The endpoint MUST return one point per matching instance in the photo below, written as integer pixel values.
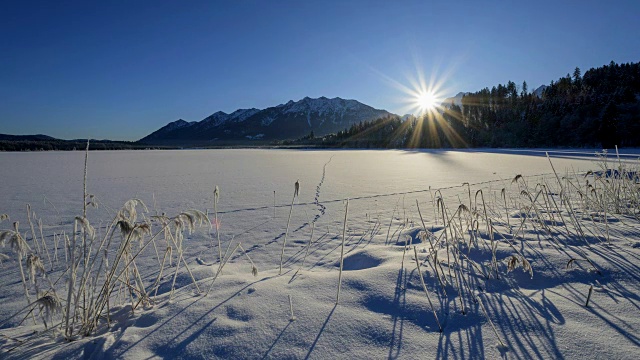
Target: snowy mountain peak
(169, 128)
(220, 117)
(242, 114)
(176, 124)
(456, 100)
(539, 91)
(293, 119)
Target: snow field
(383, 310)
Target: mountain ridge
(290, 120)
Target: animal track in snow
(321, 207)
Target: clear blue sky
(122, 69)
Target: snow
(220, 117)
(324, 108)
(267, 120)
(383, 311)
(176, 125)
(216, 119)
(539, 91)
(242, 114)
(456, 100)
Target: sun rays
(425, 99)
(433, 123)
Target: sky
(122, 69)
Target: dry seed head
(125, 227)
(129, 211)
(526, 266)
(162, 219)
(4, 235)
(86, 227)
(512, 263)
(216, 194)
(15, 240)
(135, 232)
(463, 209)
(92, 201)
(140, 231)
(515, 179)
(190, 219)
(297, 188)
(4, 217)
(35, 265)
(50, 303)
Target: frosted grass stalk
(344, 230)
(254, 268)
(391, 221)
(72, 280)
(286, 233)
(589, 295)
(292, 318)
(220, 268)
(216, 196)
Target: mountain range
(292, 120)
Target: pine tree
(576, 75)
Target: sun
(426, 101)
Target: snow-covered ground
(383, 310)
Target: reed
(296, 189)
(344, 229)
(216, 196)
(292, 318)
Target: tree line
(67, 145)
(598, 109)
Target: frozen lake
(382, 302)
(376, 181)
(247, 178)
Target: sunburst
(426, 101)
